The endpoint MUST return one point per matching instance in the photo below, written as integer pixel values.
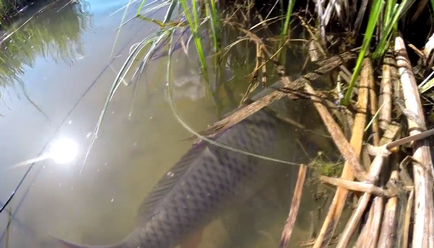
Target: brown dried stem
(295, 204)
(374, 230)
(364, 236)
(373, 107)
(423, 231)
(374, 170)
(388, 228)
(254, 75)
(356, 142)
(357, 214)
(407, 218)
(355, 186)
(389, 74)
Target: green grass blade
(157, 22)
(388, 14)
(169, 12)
(140, 8)
(214, 25)
(432, 5)
(285, 30)
(194, 25)
(373, 18)
(119, 30)
(385, 37)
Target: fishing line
(172, 106)
(12, 195)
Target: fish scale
(207, 180)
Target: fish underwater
(209, 179)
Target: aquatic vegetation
(64, 44)
(9, 9)
(354, 43)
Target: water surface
(56, 72)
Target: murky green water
(56, 72)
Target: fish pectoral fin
(193, 241)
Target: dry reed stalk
(365, 158)
(409, 139)
(407, 218)
(355, 186)
(295, 204)
(374, 170)
(356, 143)
(357, 214)
(423, 231)
(254, 75)
(374, 230)
(385, 115)
(363, 237)
(347, 151)
(388, 228)
(373, 107)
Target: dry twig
(295, 204)
(355, 186)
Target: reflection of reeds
(59, 40)
(373, 25)
(8, 8)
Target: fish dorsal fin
(166, 184)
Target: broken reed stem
(363, 238)
(351, 157)
(388, 228)
(385, 115)
(407, 218)
(373, 107)
(374, 170)
(295, 204)
(356, 142)
(423, 231)
(374, 230)
(355, 186)
(354, 220)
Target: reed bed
(381, 87)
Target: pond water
(56, 72)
